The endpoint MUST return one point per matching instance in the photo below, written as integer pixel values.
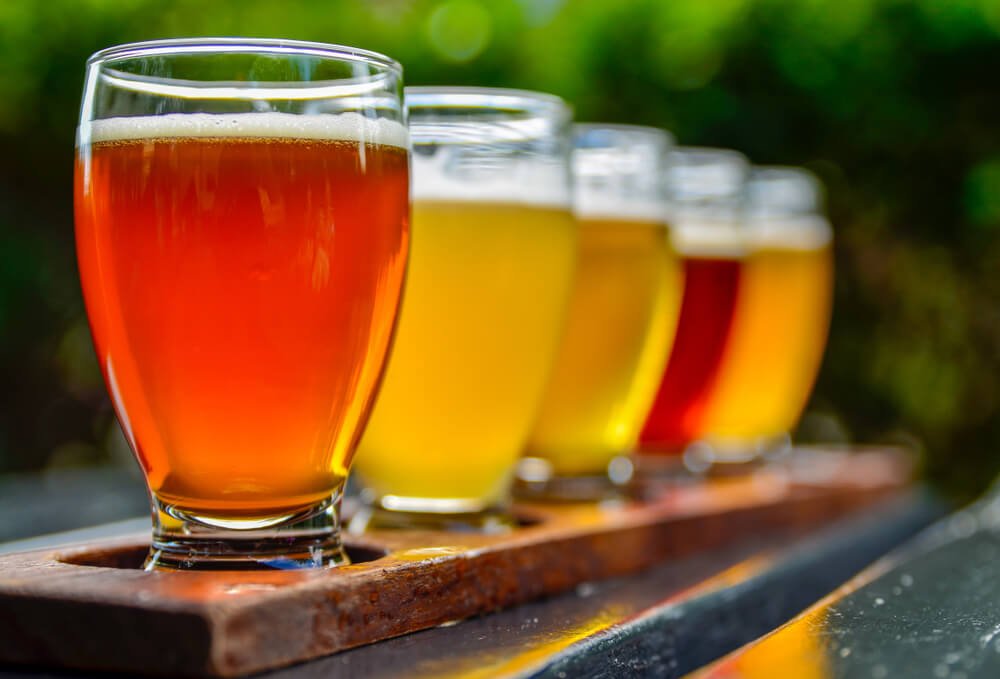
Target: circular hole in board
(133, 556)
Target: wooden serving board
(91, 607)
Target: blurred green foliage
(892, 102)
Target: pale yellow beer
(483, 310)
(622, 318)
(778, 336)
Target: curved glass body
(705, 188)
(242, 237)
(624, 305)
(494, 249)
(782, 317)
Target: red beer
(711, 287)
(242, 291)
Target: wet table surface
(929, 609)
(668, 621)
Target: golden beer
(483, 312)
(622, 313)
(778, 336)
(622, 317)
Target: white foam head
(485, 174)
(595, 206)
(350, 126)
(489, 145)
(720, 237)
(782, 210)
(789, 232)
(708, 236)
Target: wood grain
(90, 607)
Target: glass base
(536, 480)
(733, 457)
(465, 516)
(659, 473)
(711, 458)
(309, 538)
(659, 465)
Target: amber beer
(242, 274)
(779, 334)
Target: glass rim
(541, 104)
(629, 129)
(807, 183)
(713, 153)
(768, 171)
(236, 45)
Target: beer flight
(293, 267)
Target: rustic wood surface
(90, 607)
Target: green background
(895, 104)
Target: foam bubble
(330, 127)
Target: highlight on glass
(242, 232)
(781, 321)
(622, 316)
(705, 190)
(494, 249)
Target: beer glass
(782, 317)
(622, 316)
(242, 229)
(492, 261)
(705, 190)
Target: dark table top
(930, 609)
